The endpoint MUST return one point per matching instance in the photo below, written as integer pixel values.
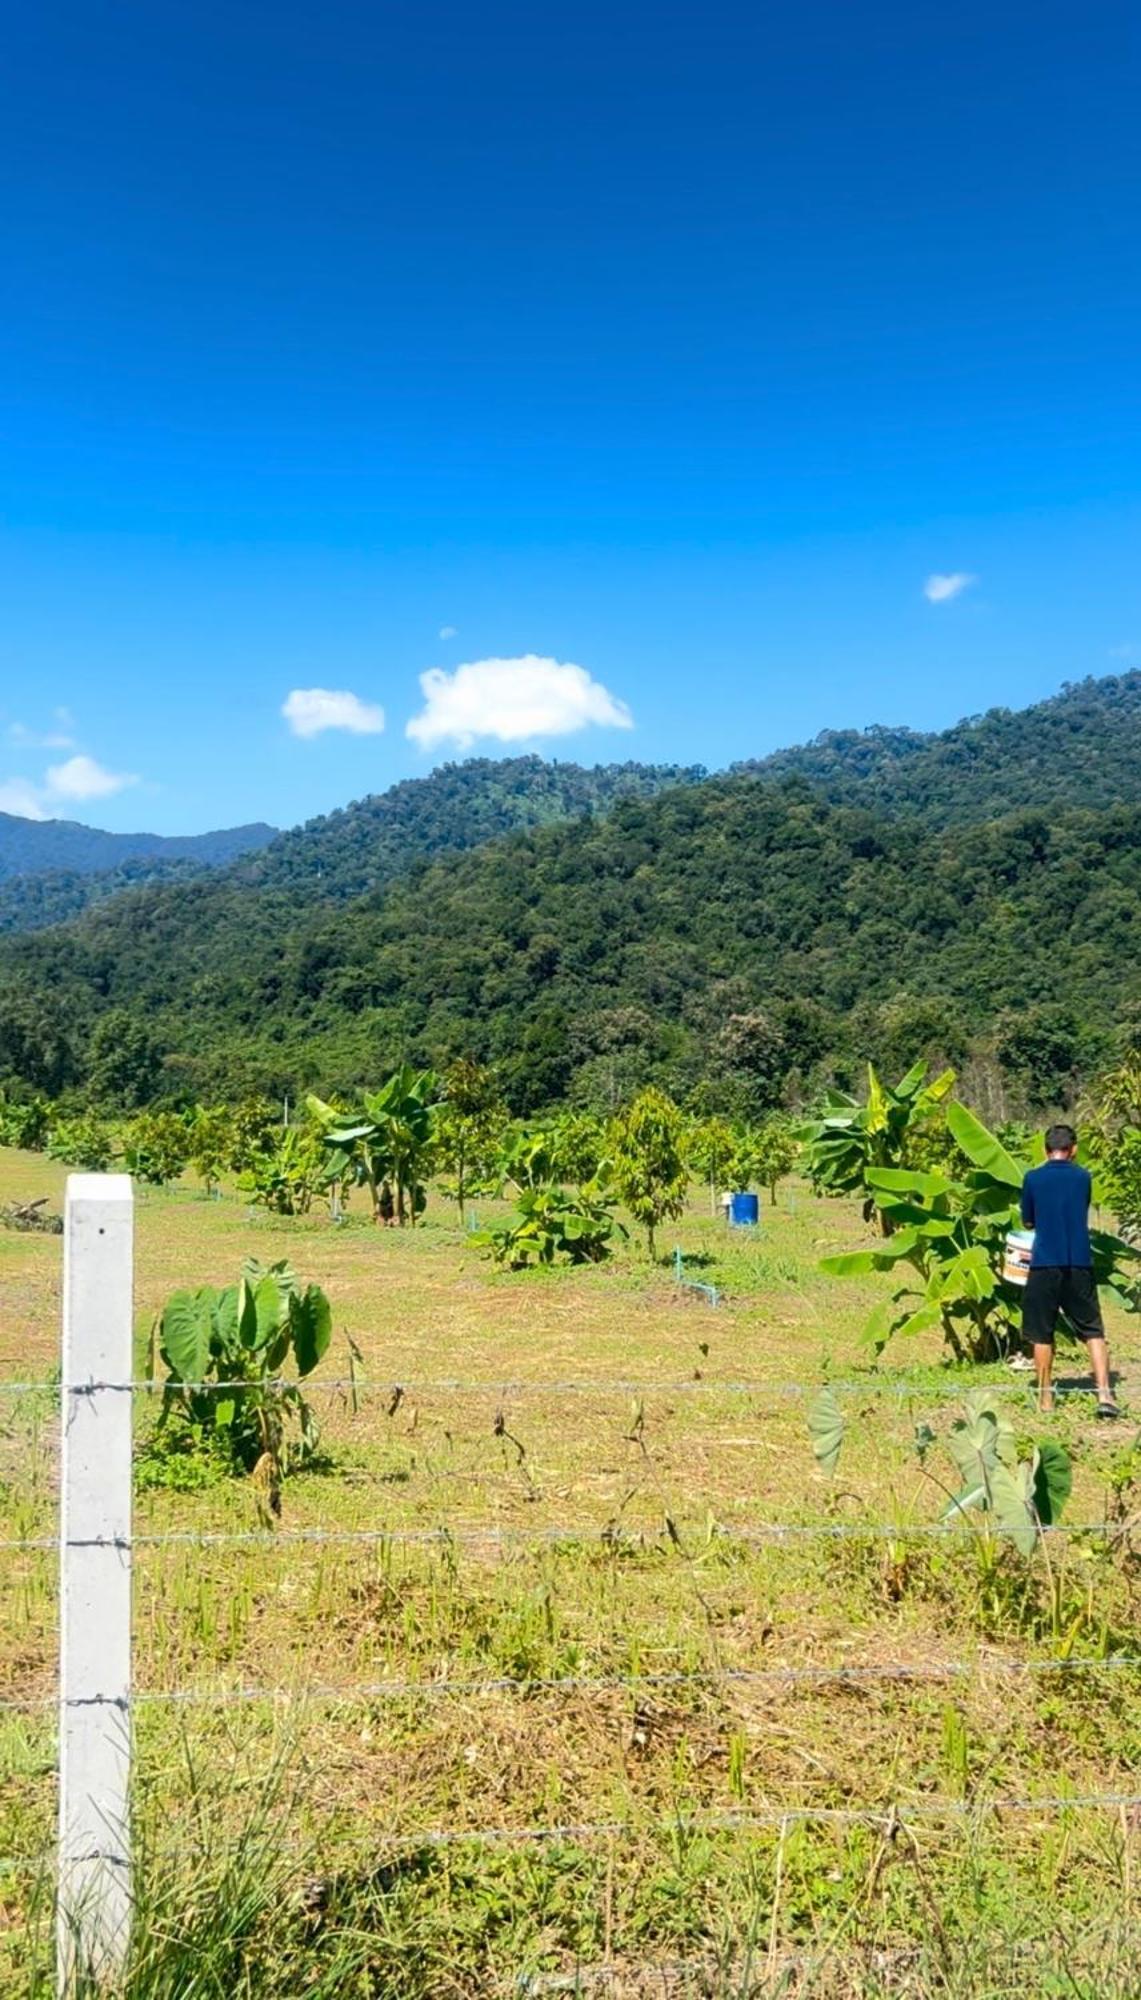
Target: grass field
(661, 1813)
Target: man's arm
(1027, 1204)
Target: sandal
(1108, 1412)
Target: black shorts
(1060, 1288)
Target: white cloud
(18, 796)
(29, 739)
(941, 589)
(512, 700)
(308, 711)
(84, 778)
(448, 632)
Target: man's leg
(1039, 1318)
(1082, 1308)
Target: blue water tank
(744, 1210)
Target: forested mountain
(362, 846)
(459, 806)
(1081, 748)
(729, 926)
(742, 931)
(33, 846)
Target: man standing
(1055, 1205)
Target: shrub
(156, 1146)
(84, 1142)
(24, 1122)
(286, 1178)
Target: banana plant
(848, 1140)
(387, 1143)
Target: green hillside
(1082, 747)
(745, 933)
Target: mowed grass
(565, 1615)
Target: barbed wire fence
(95, 1541)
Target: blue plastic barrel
(744, 1210)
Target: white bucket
(1016, 1260)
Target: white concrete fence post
(93, 1924)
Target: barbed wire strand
(688, 1385)
(887, 1817)
(679, 1677)
(607, 1535)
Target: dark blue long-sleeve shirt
(1055, 1205)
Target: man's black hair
(1060, 1138)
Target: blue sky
(677, 345)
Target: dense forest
(738, 938)
(1081, 748)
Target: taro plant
(944, 1241)
(549, 1223)
(992, 1485)
(225, 1350)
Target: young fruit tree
(469, 1123)
(647, 1151)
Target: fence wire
(606, 1535)
(693, 1385)
(444, 1688)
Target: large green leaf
(981, 1147)
(909, 1085)
(269, 1309)
(967, 1276)
(347, 1134)
(1011, 1510)
(909, 1180)
(919, 1321)
(983, 1403)
(226, 1320)
(875, 1118)
(878, 1328)
(826, 1425)
(247, 1315)
(1053, 1480)
(973, 1444)
(185, 1330)
(939, 1087)
(857, 1263)
(311, 1321)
